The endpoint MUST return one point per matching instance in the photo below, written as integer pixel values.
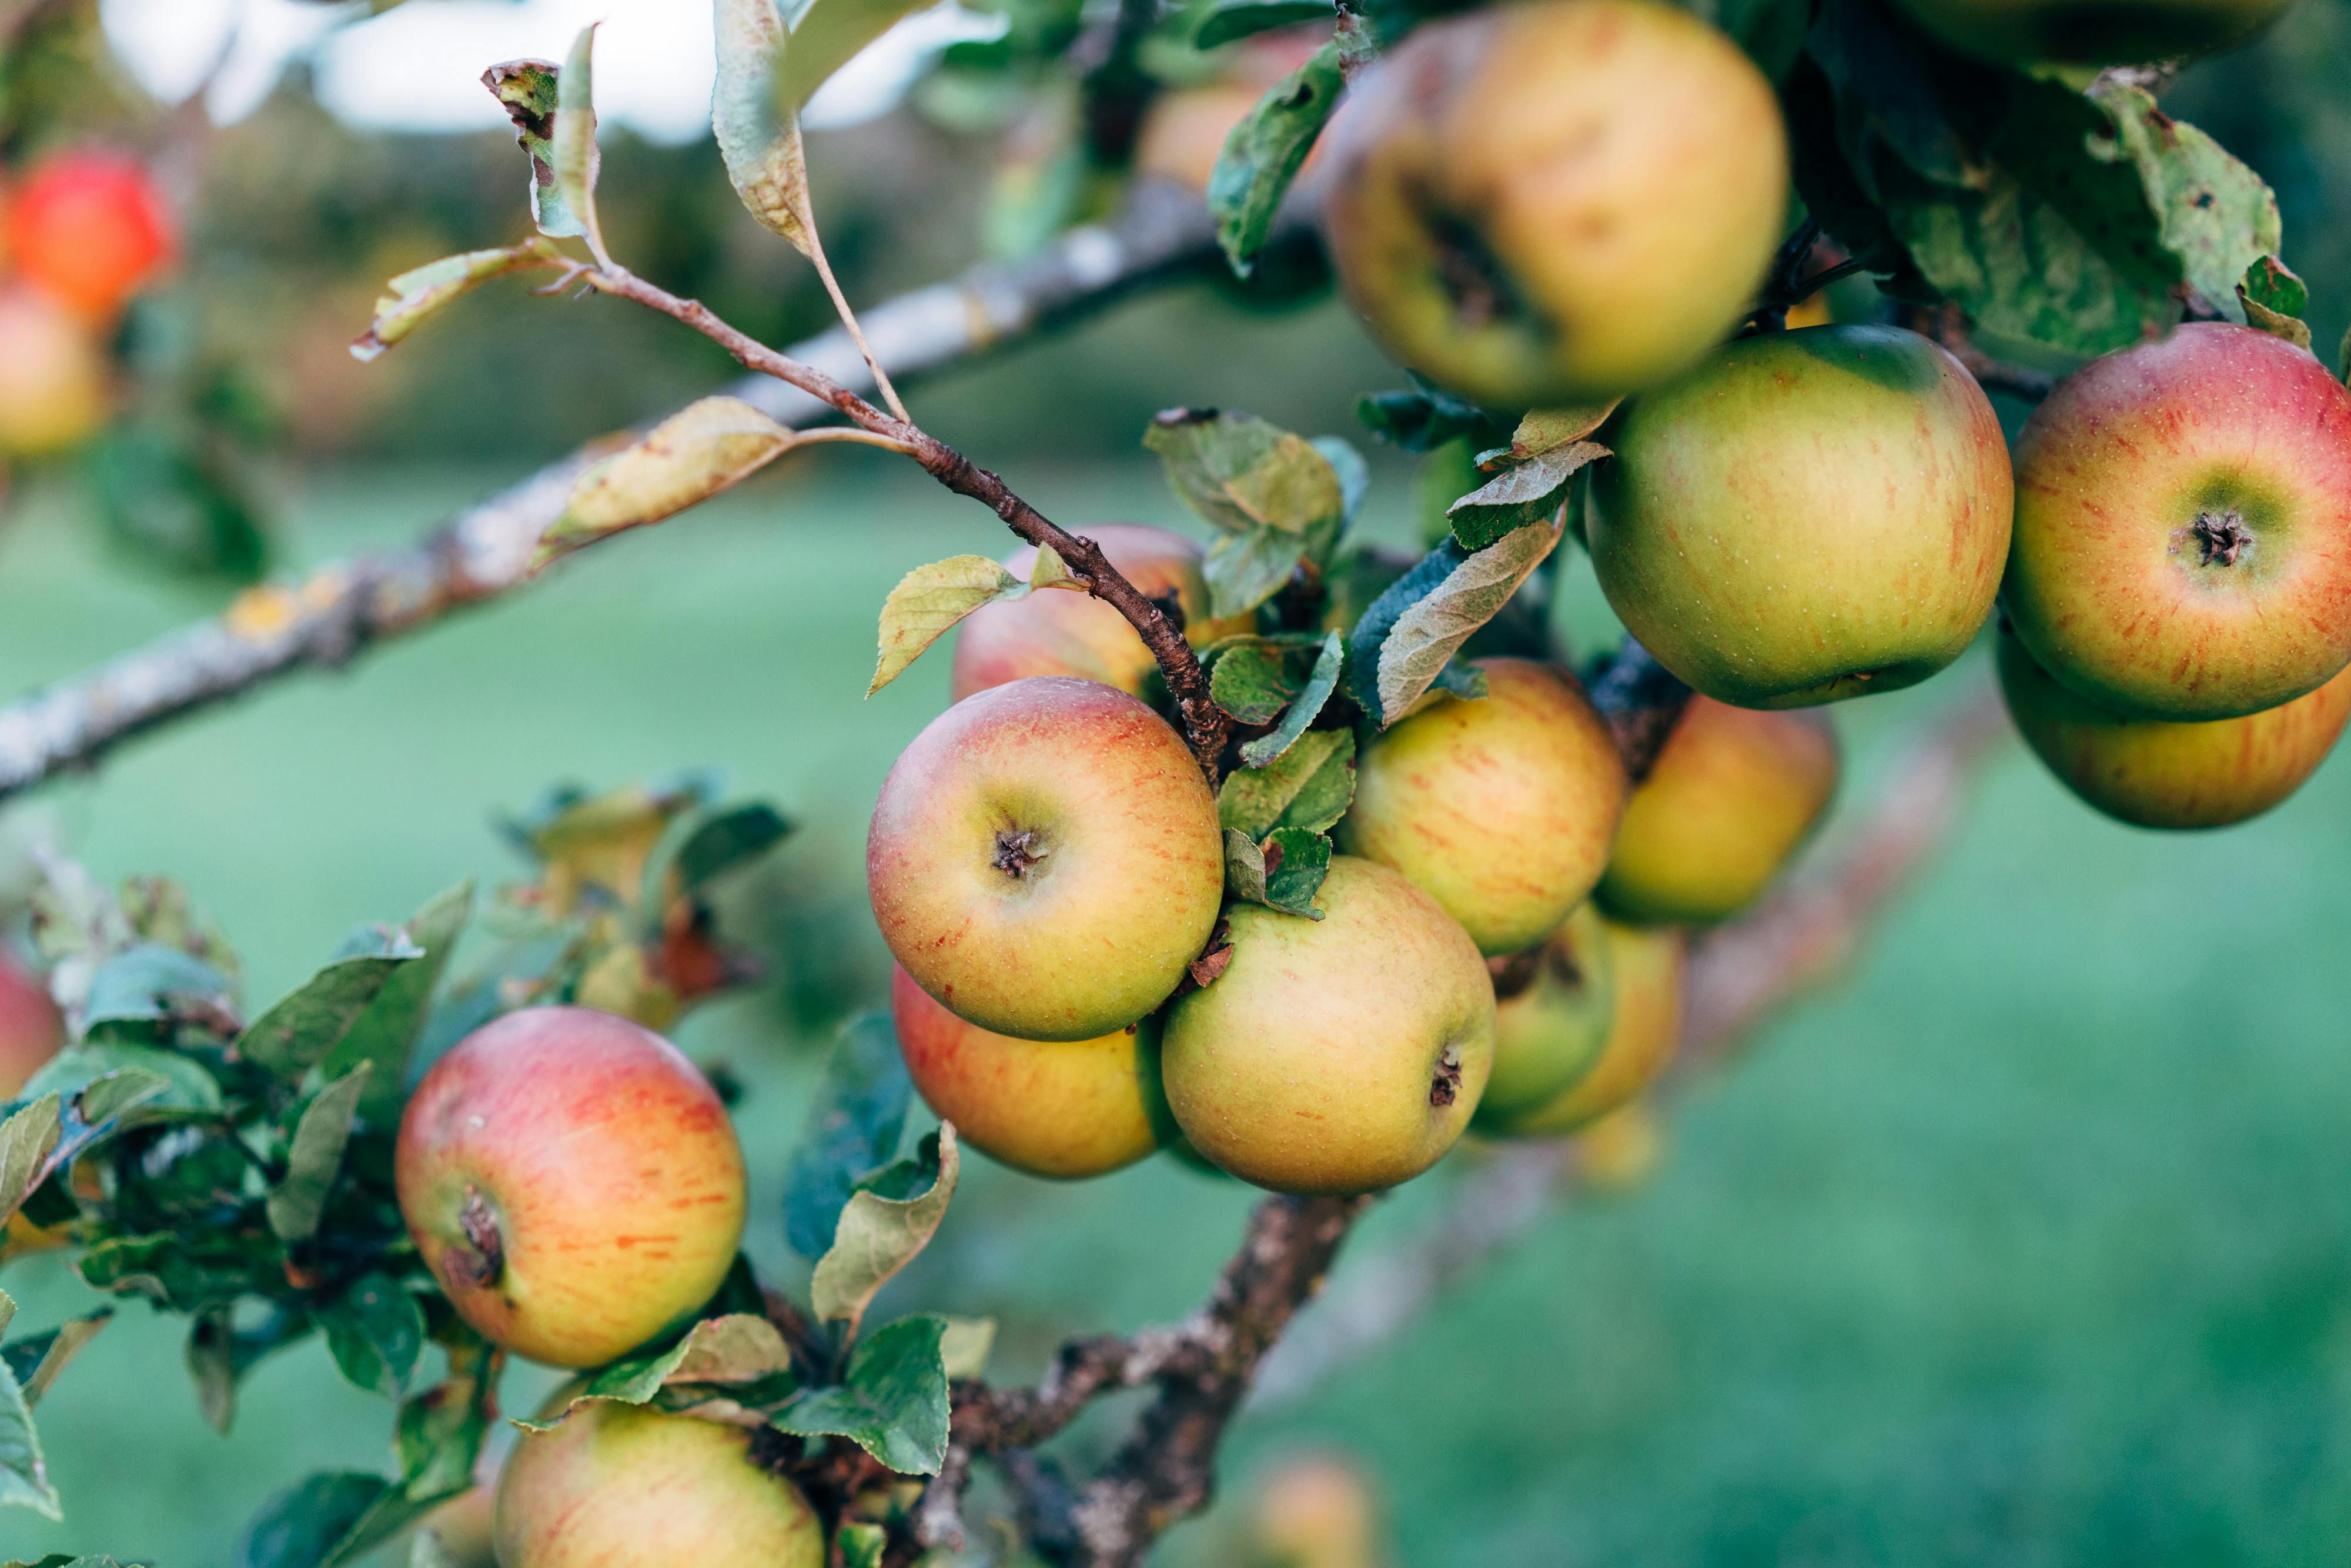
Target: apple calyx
(477, 1264)
(1514, 972)
(1476, 284)
(1017, 852)
(2221, 537)
(1446, 1087)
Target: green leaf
(1426, 637)
(188, 1087)
(386, 1034)
(2343, 359)
(27, 1139)
(1309, 786)
(758, 134)
(302, 1526)
(415, 297)
(1233, 19)
(302, 1028)
(141, 984)
(316, 1158)
(375, 1332)
(1380, 618)
(2215, 215)
(527, 89)
(1262, 155)
(828, 35)
(219, 1354)
(184, 1272)
(1355, 474)
(1243, 474)
(1529, 492)
(855, 1121)
(877, 1236)
(964, 1348)
(891, 1401)
(1244, 571)
(861, 1545)
(1307, 705)
(704, 448)
(1424, 419)
(1252, 682)
(36, 1360)
(23, 1472)
(1284, 872)
(928, 601)
(576, 156)
(2273, 299)
(729, 839)
(736, 1350)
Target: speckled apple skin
(1643, 1029)
(610, 1167)
(2107, 587)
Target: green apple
(1556, 202)
(2183, 526)
(620, 1485)
(1052, 1108)
(2160, 774)
(2092, 32)
(1806, 515)
(1316, 1510)
(30, 1030)
(1550, 1022)
(1337, 1055)
(571, 1181)
(1731, 797)
(1045, 860)
(1060, 632)
(1644, 1026)
(1501, 808)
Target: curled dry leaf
(689, 457)
(415, 297)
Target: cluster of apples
(1047, 864)
(81, 232)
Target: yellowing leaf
(927, 602)
(708, 447)
(1426, 635)
(877, 1236)
(1053, 572)
(1545, 428)
(411, 299)
(757, 136)
(576, 159)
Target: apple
(2092, 32)
(1731, 797)
(1621, 1150)
(1061, 632)
(1337, 1055)
(1556, 202)
(1316, 1510)
(1501, 806)
(1550, 1022)
(30, 1030)
(88, 229)
(1805, 517)
(461, 1527)
(1644, 1026)
(621, 1486)
(2160, 774)
(2183, 526)
(1052, 1108)
(572, 1182)
(53, 376)
(1045, 860)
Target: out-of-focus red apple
(1052, 1108)
(53, 376)
(88, 229)
(1046, 859)
(572, 1182)
(1060, 632)
(2183, 526)
(30, 1030)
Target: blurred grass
(2025, 1246)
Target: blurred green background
(2027, 1243)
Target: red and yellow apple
(1045, 860)
(30, 1030)
(88, 229)
(1503, 808)
(2183, 526)
(1556, 202)
(1550, 1022)
(2092, 32)
(1645, 1025)
(1805, 517)
(54, 381)
(572, 1182)
(1316, 1510)
(1729, 797)
(1337, 1055)
(621, 1486)
(2157, 773)
(1061, 632)
(1051, 1108)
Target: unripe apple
(2160, 774)
(2092, 32)
(572, 1182)
(462, 1528)
(1316, 1511)
(1060, 632)
(89, 229)
(1046, 859)
(1807, 516)
(1622, 1149)
(1052, 1108)
(30, 1030)
(2183, 526)
(1501, 808)
(1643, 1028)
(621, 1486)
(53, 376)
(1731, 797)
(1550, 1024)
(1556, 202)
(1337, 1055)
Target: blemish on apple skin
(1446, 1086)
